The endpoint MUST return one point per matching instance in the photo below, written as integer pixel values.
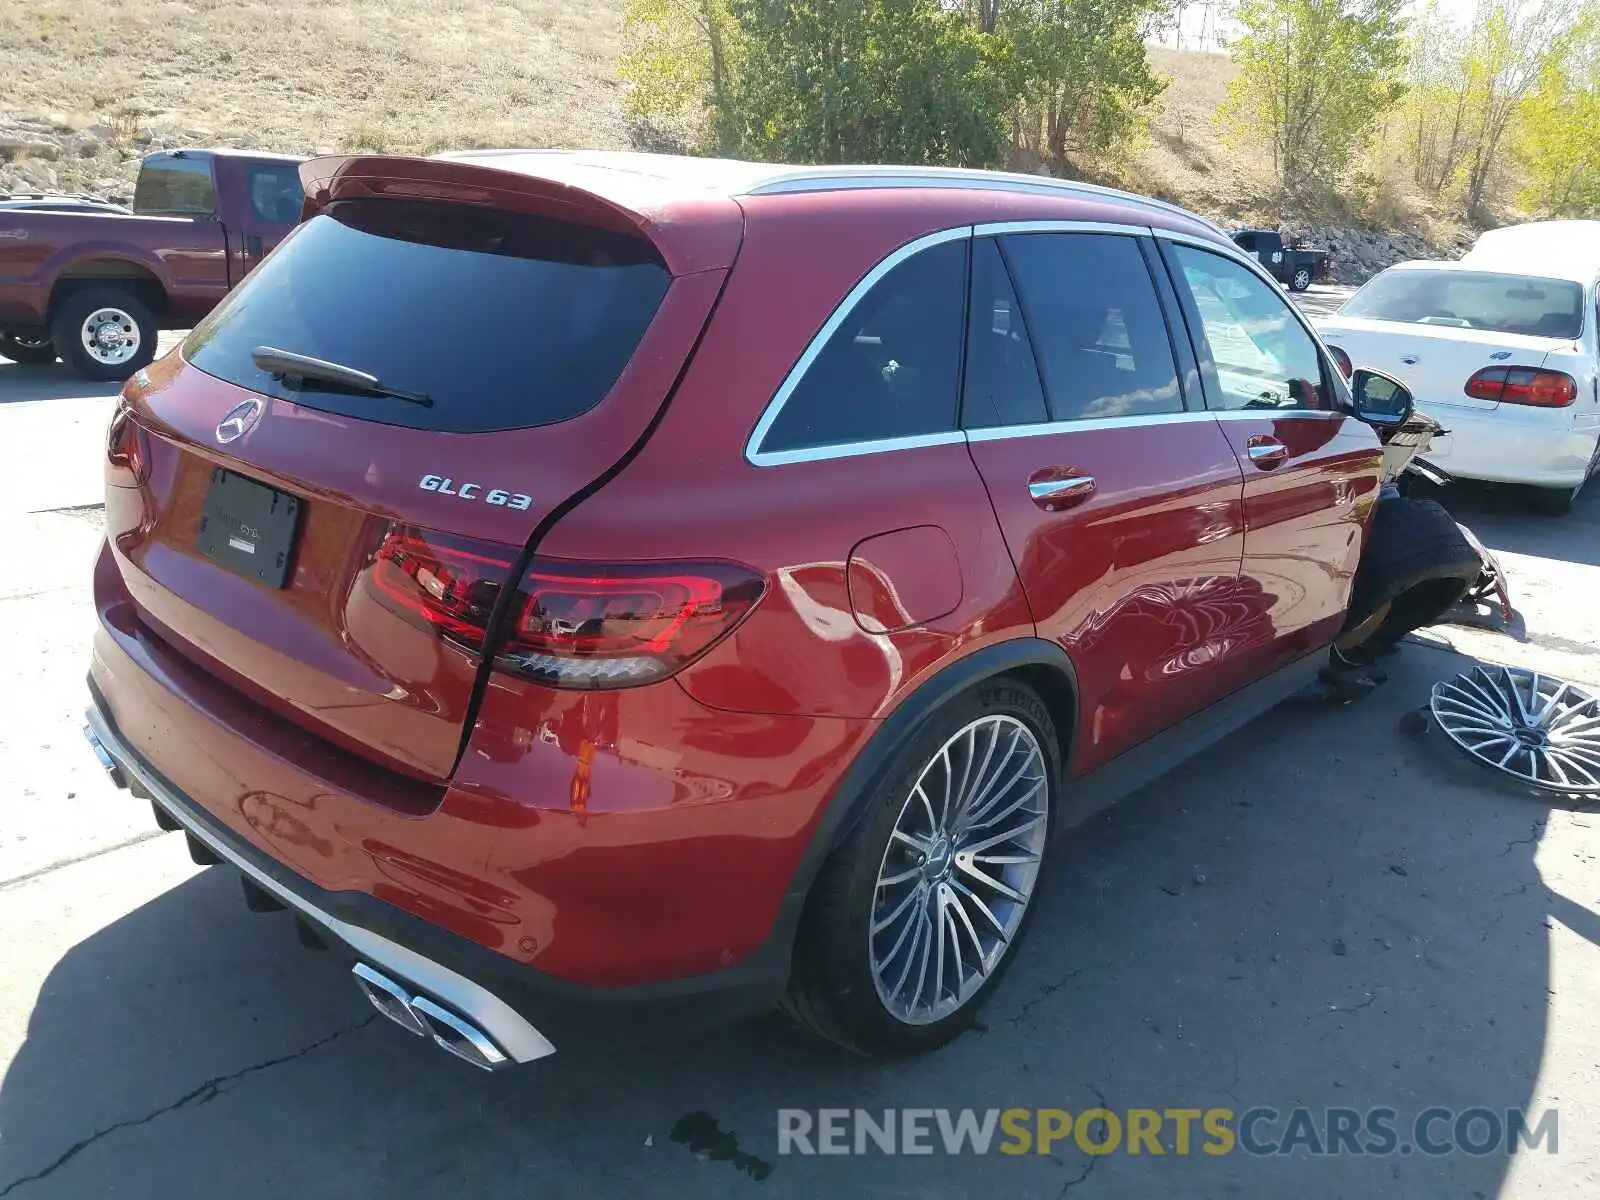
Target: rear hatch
(1435, 361)
(337, 548)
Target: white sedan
(1505, 358)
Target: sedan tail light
(571, 624)
(1524, 385)
(1342, 361)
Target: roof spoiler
(685, 246)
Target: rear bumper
(526, 1013)
(1500, 445)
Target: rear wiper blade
(290, 365)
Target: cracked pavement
(1331, 908)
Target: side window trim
(753, 453)
(964, 419)
(1179, 335)
(1210, 382)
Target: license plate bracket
(248, 527)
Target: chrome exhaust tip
(389, 998)
(461, 1038)
(112, 768)
(425, 1018)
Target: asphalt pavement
(1331, 909)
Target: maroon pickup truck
(95, 287)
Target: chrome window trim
(1003, 228)
(757, 457)
(779, 458)
(861, 178)
(1270, 414)
(997, 433)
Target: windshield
(1492, 302)
(504, 321)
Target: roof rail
(822, 179)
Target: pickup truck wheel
(913, 920)
(30, 348)
(1300, 280)
(104, 333)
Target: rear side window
(169, 186)
(891, 367)
(1473, 300)
(503, 320)
(1096, 325)
(275, 193)
(1002, 382)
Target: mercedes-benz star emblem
(240, 420)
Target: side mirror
(1380, 400)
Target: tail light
(570, 624)
(1342, 361)
(1524, 385)
(126, 452)
(583, 626)
(444, 584)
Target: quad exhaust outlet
(419, 1015)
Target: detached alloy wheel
(105, 333)
(32, 348)
(914, 919)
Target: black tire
(1300, 279)
(28, 349)
(1552, 502)
(67, 332)
(1415, 561)
(831, 987)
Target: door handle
(1266, 452)
(1054, 490)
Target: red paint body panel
(670, 859)
(1140, 582)
(1304, 524)
(904, 578)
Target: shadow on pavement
(19, 383)
(1322, 911)
(1503, 515)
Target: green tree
(1081, 71)
(1555, 135)
(681, 57)
(1313, 77)
(867, 81)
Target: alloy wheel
(959, 870)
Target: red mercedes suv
(586, 587)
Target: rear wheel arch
(1041, 665)
(135, 279)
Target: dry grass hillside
(85, 91)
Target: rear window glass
(169, 186)
(503, 320)
(1473, 300)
